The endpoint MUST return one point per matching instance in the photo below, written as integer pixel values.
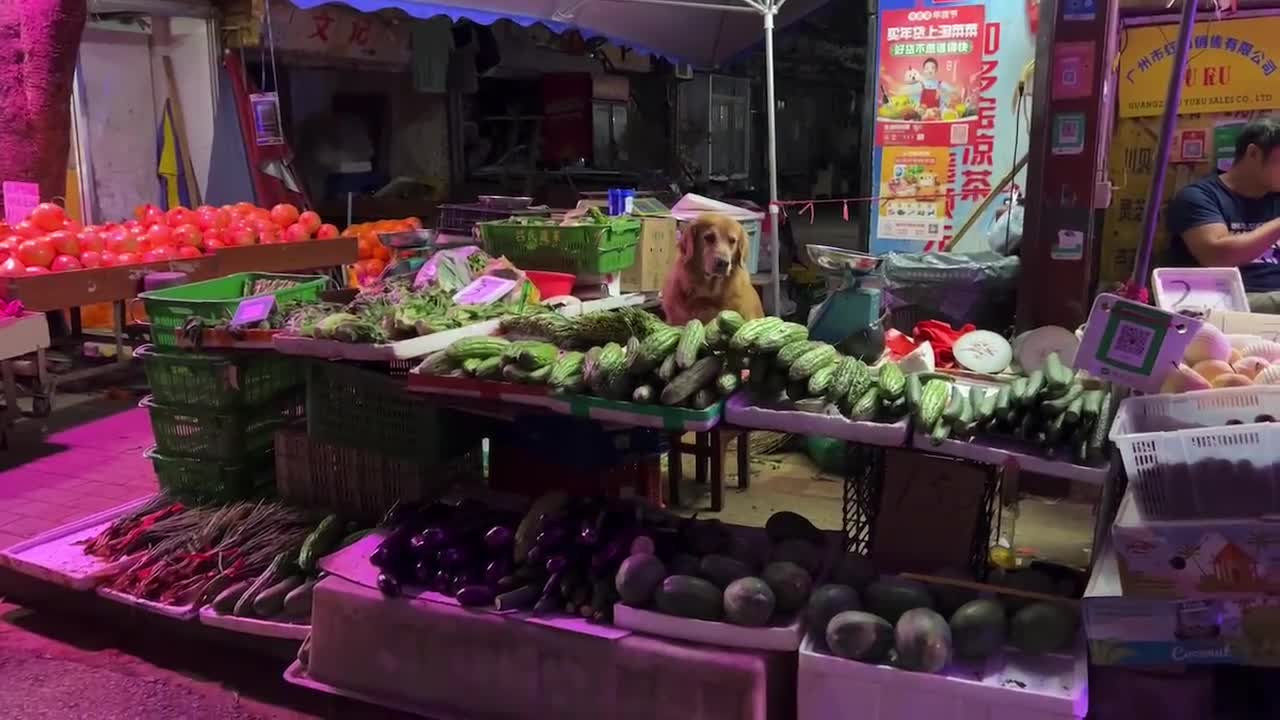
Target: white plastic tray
(178, 612)
(1199, 289)
(741, 410)
(1012, 685)
(785, 638)
(254, 626)
(403, 350)
(994, 451)
(58, 556)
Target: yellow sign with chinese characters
(1234, 65)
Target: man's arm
(1195, 216)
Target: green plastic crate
(218, 380)
(231, 436)
(200, 481)
(358, 407)
(596, 249)
(216, 300)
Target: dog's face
(713, 244)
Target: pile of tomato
(373, 255)
(49, 241)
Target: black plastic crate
(460, 219)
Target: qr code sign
(1132, 343)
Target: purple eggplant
(435, 536)
(588, 536)
(475, 596)
(607, 558)
(381, 556)
(423, 572)
(388, 584)
(454, 558)
(499, 537)
(557, 563)
(442, 582)
(643, 545)
(551, 537)
(538, 555)
(496, 570)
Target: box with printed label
(1178, 559)
(1145, 631)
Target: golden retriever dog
(709, 274)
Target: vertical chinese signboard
(946, 71)
(1233, 75)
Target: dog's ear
(740, 248)
(685, 243)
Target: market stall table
(21, 335)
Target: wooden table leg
(744, 459)
(675, 470)
(703, 441)
(717, 469)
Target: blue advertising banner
(947, 124)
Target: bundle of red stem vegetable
(201, 551)
(133, 532)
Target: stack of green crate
(214, 414)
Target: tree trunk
(39, 42)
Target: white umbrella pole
(771, 109)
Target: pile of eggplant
(560, 556)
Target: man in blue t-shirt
(1233, 219)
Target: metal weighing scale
(411, 249)
(850, 307)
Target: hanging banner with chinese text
(946, 76)
(1232, 67)
(333, 31)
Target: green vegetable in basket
(319, 542)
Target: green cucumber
(1018, 391)
(913, 389)
(955, 406)
(941, 430)
(1074, 411)
(1054, 407)
(1092, 404)
(1035, 386)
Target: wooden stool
(708, 448)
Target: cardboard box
(1141, 631)
(1176, 559)
(655, 255)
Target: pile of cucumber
(1050, 407)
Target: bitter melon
(691, 342)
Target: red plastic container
(551, 284)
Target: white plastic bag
(1005, 235)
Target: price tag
(484, 290)
(1133, 345)
(253, 310)
(20, 198)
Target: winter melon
(861, 636)
(790, 583)
(749, 601)
(923, 641)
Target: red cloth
(942, 337)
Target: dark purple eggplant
(388, 584)
(551, 537)
(475, 596)
(588, 536)
(454, 558)
(435, 537)
(509, 583)
(469, 576)
(499, 537)
(442, 582)
(557, 563)
(546, 604)
(643, 544)
(552, 586)
(381, 556)
(608, 558)
(538, 555)
(423, 572)
(496, 570)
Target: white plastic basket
(1211, 453)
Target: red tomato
(189, 251)
(327, 231)
(211, 244)
(65, 242)
(296, 232)
(310, 220)
(221, 218)
(37, 270)
(160, 235)
(108, 259)
(211, 235)
(9, 245)
(178, 216)
(72, 224)
(126, 258)
(27, 229)
(187, 235)
(91, 258)
(65, 262)
(243, 237)
(90, 240)
(12, 267)
(243, 208)
(269, 237)
(48, 217)
(116, 240)
(413, 222)
(284, 214)
(36, 252)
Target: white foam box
(450, 662)
(1010, 686)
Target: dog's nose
(722, 266)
